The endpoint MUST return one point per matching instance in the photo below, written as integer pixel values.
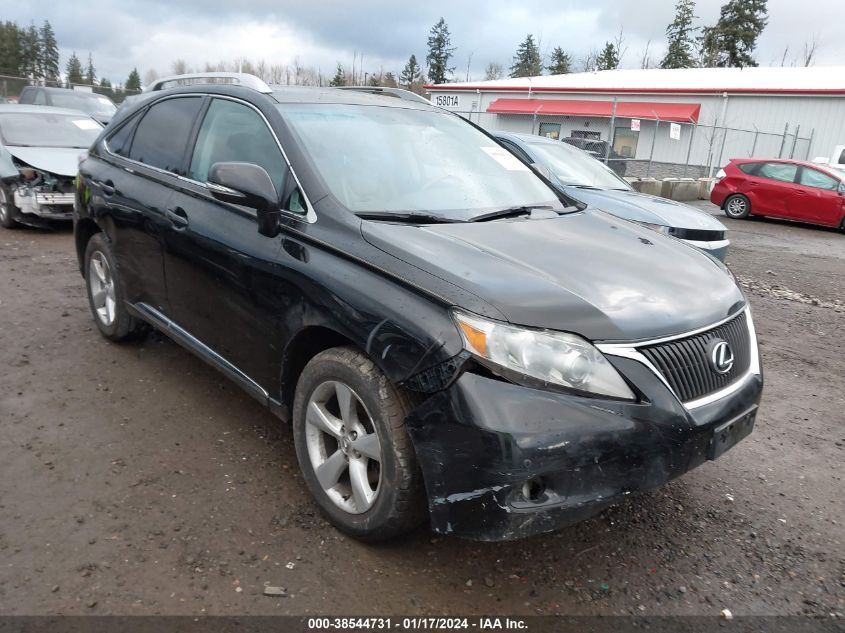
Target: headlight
(557, 358)
(656, 227)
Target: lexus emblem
(721, 356)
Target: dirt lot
(136, 480)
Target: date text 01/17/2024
(416, 624)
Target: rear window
(162, 135)
(784, 172)
(749, 168)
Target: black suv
(450, 337)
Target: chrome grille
(685, 366)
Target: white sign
(635, 125)
(505, 158)
(447, 101)
(675, 131)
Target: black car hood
(585, 272)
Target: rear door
(145, 157)
(817, 198)
(772, 188)
(222, 275)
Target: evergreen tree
(440, 51)
(339, 78)
(31, 53)
(679, 34)
(561, 62)
(90, 72)
(411, 74)
(608, 59)
(133, 82)
(527, 62)
(11, 49)
(49, 53)
(731, 42)
(74, 70)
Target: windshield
(404, 160)
(90, 103)
(24, 129)
(571, 166)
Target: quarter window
(233, 132)
(120, 141)
(749, 168)
(162, 135)
(815, 178)
(784, 172)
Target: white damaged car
(39, 155)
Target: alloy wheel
(343, 446)
(101, 284)
(736, 206)
(4, 206)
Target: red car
(789, 189)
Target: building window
(595, 136)
(625, 142)
(550, 130)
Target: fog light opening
(534, 489)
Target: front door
(221, 273)
(817, 198)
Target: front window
(575, 168)
(405, 160)
(48, 130)
(90, 103)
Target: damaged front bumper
(43, 205)
(503, 461)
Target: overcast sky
(122, 34)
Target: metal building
(669, 121)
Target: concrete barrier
(705, 185)
(681, 189)
(648, 185)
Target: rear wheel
(7, 209)
(356, 457)
(105, 292)
(737, 207)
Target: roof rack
(399, 93)
(192, 79)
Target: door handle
(177, 216)
(108, 188)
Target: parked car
(836, 160)
(39, 153)
(789, 189)
(584, 179)
(448, 334)
(598, 150)
(95, 105)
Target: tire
(737, 207)
(105, 292)
(7, 209)
(377, 407)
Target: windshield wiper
(408, 218)
(511, 212)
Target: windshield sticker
(86, 124)
(505, 158)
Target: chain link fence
(11, 88)
(652, 147)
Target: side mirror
(250, 186)
(544, 171)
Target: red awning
(684, 112)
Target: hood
(584, 272)
(61, 161)
(640, 207)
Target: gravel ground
(136, 480)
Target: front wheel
(355, 454)
(7, 209)
(737, 207)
